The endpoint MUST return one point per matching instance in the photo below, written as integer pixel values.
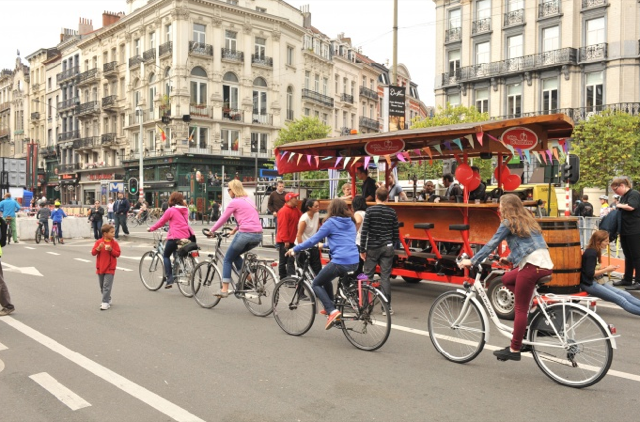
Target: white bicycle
(570, 343)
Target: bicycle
(133, 220)
(40, 233)
(254, 283)
(365, 320)
(55, 233)
(151, 266)
(9, 231)
(570, 343)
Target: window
(308, 42)
(152, 40)
(152, 90)
(122, 53)
(199, 35)
(316, 84)
(364, 81)
(514, 100)
(290, 103)
(483, 53)
(453, 99)
(454, 61)
(483, 9)
(514, 46)
(230, 140)
(549, 95)
(514, 5)
(594, 91)
(551, 38)
(198, 86)
(316, 46)
(290, 55)
(325, 86)
(167, 81)
(371, 82)
(259, 142)
(136, 47)
(307, 111)
(230, 41)
(345, 82)
(260, 47)
(482, 100)
(260, 101)
(353, 88)
(307, 75)
(151, 140)
(455, 18)
(345, 122)
(325, 116)
(230, 91)
(49, 83)
(336, 87)
(595, 31)
(261, 9)
(371, 111)
(364, 109)
(167, 33)
(198, 137)
(325, 51)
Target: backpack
(3, 232)
(587, 210)
(611, 223)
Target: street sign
(116, 186)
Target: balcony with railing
(35, 116)
(110, 102)
(346, 98)
(68, 136)
(290, 115)
(86, 142)
(202, 111)
(67, 168)
(135, 61)
(166, 48)
(110, 69)
(232, 55)
(108, 139)
(134, 118)
(548, 8)
(262, 119)
(261, 60)
(591, 4)
(231, 152)
(582, 113)
(232, 114)
(368, 93)
(514, 17)
(453, 35)
(65, 75)
(149, 55)
(592, 53)
(87, 109)
(200, 49)
(5, 106)
(35, 87)
(369, 123)
(48, 151)
(68, 104)
(481, 26)
(317, 97)
(88, 77)
(547, 59)
(204, 149)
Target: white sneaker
(384, 313)
(104, 306)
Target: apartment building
(515, 58)
(6, 126)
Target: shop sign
(101, 176)
(386, 147)
(520, 138)
(169, 177)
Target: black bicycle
(40, 233)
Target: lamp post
(139, 112)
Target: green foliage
(608, 145)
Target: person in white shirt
(307, 227)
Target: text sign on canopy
(386, 147)
(520, 138)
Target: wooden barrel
(563, 238)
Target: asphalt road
(158, 356)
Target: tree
(608, 145)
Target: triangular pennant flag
(428, 151)
(327, 158)
(430, 162)
(338, 161)
(291, 155)
(416, 152)
(345, 162)
(527, 156)
(520, 154)
(549, 155)
(388, 159)
(309, 159)
(299, 157)
(479, 137)
(491, 137)
(510, 148)
(471, 142)
(375, 159)
(406, 155)
(366, 161)
(283, 154)
(537, 155)
(458, 143)
(317, 161)
(355, 161)
(401, 157)
(447, 144)
(544, 158)
(438, 148)
(555, 153)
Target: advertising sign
(520, 137)
(385, 147)
(397, 97)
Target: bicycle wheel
(294, 306)
(365, 326)
(205, 281)
(581, 355)
(9, 232)
(184, 279)
(259, 299)
(54, 236)
(152, 270)
(38, 235)
(460, 342)
(132, 222)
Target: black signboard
(397, 96)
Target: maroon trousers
(521, 283)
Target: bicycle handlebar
(225, 232)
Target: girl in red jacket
(106, 251)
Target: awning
(159, 185)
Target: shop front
(69, 188)
(98, 185)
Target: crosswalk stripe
(59, 391)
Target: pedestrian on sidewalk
(5, 298)
(110, 211)
(121, 210)
(96, 214)
(106, 251)
(288, 218)
(8, 209)
(629, 208)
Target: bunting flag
(317, 161)
(162, 134)
(438, 148)
(428, 151)
(327, 158)
(299, 157)
(555, 153)
(470, 139)
(511, 150)
(492, 137)
(376, 158)
(479, 137)
(406, 155)
(388, 159)
(401, 157)
(458, 143)
(345, 162)
(366, 161)
(291, 155)
(283, 154)
(417, 152)
(447, 144)
(309, 159)
(520, 154)
(355, 161)
(537, 155)
(544, 158)
(338, 161)
(549, 155)
(527, 156)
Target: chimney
(109, 18)
(306, 16)
(85, 26)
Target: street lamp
(139, 112)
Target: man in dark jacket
(584, 208)
(121, 209)
(276, 201)
(96, 214)
(479, 192)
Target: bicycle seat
(544, 280)
(211, 255)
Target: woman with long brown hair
(530, 258)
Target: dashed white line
(3, 347)
(123, 269)
(59, 391)
(81, 259)
(29, 247)
(53, 253)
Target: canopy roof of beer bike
(540, 136)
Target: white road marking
(1, 365)
(53, 253)
(3, 347)
(81, 259)
(137, 258)
(123, 269)
(21, 270)
(59, 391)
(29, 247)
(153, 400)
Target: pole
(394, 75)
(141, 171)
(567, 210)
(222, 192)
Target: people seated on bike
(143, 212)
(589, 276)
(57, 215)
(530, 258)
(43, 215)
(248, 229)
(8, 209)
(178, 218)
(340, 230)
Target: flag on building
(163, 135)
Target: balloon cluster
(509, 181)
(466, 176)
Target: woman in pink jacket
(178, 218)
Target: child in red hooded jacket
(106, 251)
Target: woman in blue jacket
(340, 230)
(530, 258)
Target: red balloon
(505, 172)
(473, 183)
(464, 173)
(511, 182)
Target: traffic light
(166, 120)
(133, 186)
(566, 172)
(571, 170)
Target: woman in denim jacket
(530, 258)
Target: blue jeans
(97, 227)
(323, 283)
(241, 243)
(622, 298)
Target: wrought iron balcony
(514, 17)
(110, 69)
(68, 136)
(134, 118)
(481, 25)
(317, 97)
(67, 168)
(67, 74)
(289, 115)
(346, 98)
(232, 114)
(201, 150)
(88, 142)
(548, 8)
(233, 55)
(49, 151)
(110, 101)
(135, 61)
(369, 123)
(453, 34)
(582, 113)
(262, 119)
(166, 48)
(35, 87)
(87, 109)
(595, 52)
(200, 48)
(149, 55)
(68, 104)
(35, 116)
(261, 60)
(90, 76)
(200, 110)
(5, 106)
(369, 93)
(108, 138)
(589, 4)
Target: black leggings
(631, 249)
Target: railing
(205, 150)
(109, 68)
(514, 17)
(88, 76)
(66, 136)
(582, 113)
(35, 87)
(233, 114)
(88, 142)
(346, 98)
(68, 168)
(5, 106)
(481, 25)
(68, 103)
(107, 138)
(134, 118)
(200, 48)
(67, 74)
(148, 55)
(289, 115)
(369, 123)
(317, 97)
(261, 60)
(135, 61)
(87, 108)
(230, 152)
(110, 101)
(262, 119)
(369, 93)
(165, 48)
(548, 8)
(588, 4)
(593, 52)
(200, 110)
(453, 34)
(48, 151)
(35, 116)
(234, 55)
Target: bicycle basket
(186, 249)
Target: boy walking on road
(106, 251)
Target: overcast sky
(28, 25)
